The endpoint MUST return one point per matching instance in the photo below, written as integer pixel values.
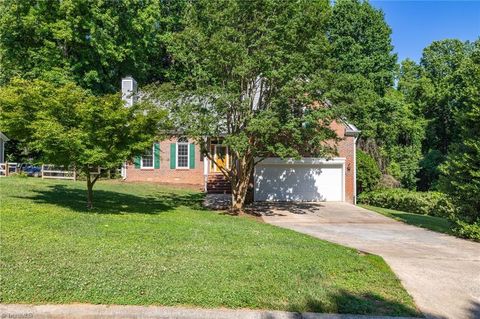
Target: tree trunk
(239, 192)
(240, 182)
(89, 193)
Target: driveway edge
(88, 311)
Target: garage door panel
(298, 183)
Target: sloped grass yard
(147, 244)
(438, 224)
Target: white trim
(343, 181)
(302, 161)
(124, 170)
(355, 171)
(188, 155)
(4, 137)
(153, 160)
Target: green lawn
(147, 244)
(438, 224)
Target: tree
(365, 67)
(91, 42)
(361, 43)
(441, 60)
(368, 173)
(432, 88)
(461, 172)
(251, 72)
(68, 126)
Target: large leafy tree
(432, 87)
(92, 42)
(461, 171)
(364, 65)
(441, 60)
(251, 73)
(361, 43)
(68, 126)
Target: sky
(416, 24)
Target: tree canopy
(68, 126)
(266, 75)
(250, 72)
(93, 43)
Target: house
(3, 139)
(177, 160)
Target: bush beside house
(368, 172)
(426, 203)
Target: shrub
(368, 173)
(388, 181)
(466, 230)
(426, 203)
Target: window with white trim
(147, 159)
(182, 153)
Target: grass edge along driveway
(146, 244)
(434, 223)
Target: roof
(4, 137)
(350, 129)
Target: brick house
(177, 160)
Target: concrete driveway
(441, 272)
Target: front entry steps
(218, 184)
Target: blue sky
(415, 24)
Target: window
(147, 159)
(182, 153)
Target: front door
(220, 157)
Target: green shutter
(192, 156)
(136, 161)
(156, 155)
(173, 155)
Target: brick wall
(346, 149)
(195, 176)
(165, 174)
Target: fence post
(42, 170)
(7, 169)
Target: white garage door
(304, 180)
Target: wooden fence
(8, 168)
(58, 172)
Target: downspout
(205, 169)
(355, 170)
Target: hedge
(466, 230)
(426, 203)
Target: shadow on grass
(111, 202)
(365, 304)
(431, 222)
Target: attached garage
(304, 180)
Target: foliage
(402, 133)
(368, 173)
(467, 230)
(150, 244)
(427, 203)
(70, 127)
(388, 181)
(461, 172)
(365, 67)
(361, 44)
(251, 71)
(433, 88)
(92, 42)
